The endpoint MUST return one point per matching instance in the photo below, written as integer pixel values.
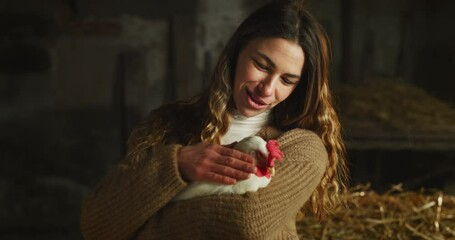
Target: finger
(230, 172)
(218, 178)
(229, 152)
(236, 164)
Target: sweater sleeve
(130, 194)
(270, 212)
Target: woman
(271, 80)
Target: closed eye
(260, 66)
(286, 81)
(290, 79)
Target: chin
(250, 113)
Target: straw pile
(394, 105)
(395, 214)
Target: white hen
(256, 147)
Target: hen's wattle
(274, 153)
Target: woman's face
(267, 71)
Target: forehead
(283, 52)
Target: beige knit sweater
(133, 200)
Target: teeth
(256, 101)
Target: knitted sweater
(134, 199)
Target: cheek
(283, 93)
(246, 74)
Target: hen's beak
(271, 171)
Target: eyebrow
(271, 63)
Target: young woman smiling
(271, 80)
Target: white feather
(252, 184)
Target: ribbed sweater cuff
(169, 177)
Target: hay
(395, 214)
(394, 105)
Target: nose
(267, 86)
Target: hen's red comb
(274, 152)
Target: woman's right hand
(210, 162)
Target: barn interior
(77, 75)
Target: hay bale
(393, 105)
(395, 214)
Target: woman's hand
(214, 163)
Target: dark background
(76, 75)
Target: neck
(241, 126)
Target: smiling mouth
(257, 102)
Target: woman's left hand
(214, 163)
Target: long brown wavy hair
(309, 106)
